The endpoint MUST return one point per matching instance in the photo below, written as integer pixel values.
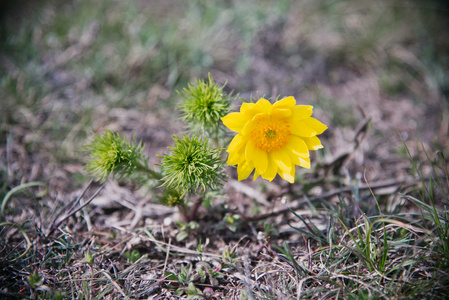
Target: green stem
(91, 282)
(183, 210)
(217, 141)
(195, 208)
(153, 174)
(190, 215)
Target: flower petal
(236, 157)
(302, 111)
(315, 124)
(297, 146)
(287, 103)
(256, 174)
(301, 128)
(313, 143)
(251, 125)
(247, 106)
(305, 162)
(235, 121)
(281, 113)
(297, 160)
(282, 160)
(244, 169)
(300, 161)
(257, 156)
(289, 176)
(272, 169)
(263, 105)
(237, 143)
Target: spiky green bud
(171, 197)
(35, 280)
(89, 258)
(112, 154)
(192, 164)
(204, 105)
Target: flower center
(270, 134)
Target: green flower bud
(192, 164)
(110, 153)
(171, 197)
(204, 105)
(35, 280)
(89, 258)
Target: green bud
(230, 256)
(59, 296)
(204, 106)
(133, 256)
(112, 154)
(192, 164)
(89, 258)
(171, 197)
(232, 221)
(35, 280)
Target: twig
(12, 296)
(115, 284)
(330, 194)
(74, 210)
(86, 217)
(250, 192)
(27, 239)
(80, 196)
(166, 256)
(14, 190)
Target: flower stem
(151, 173)
(195, 208)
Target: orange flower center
(270, 134)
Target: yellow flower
(272, 138)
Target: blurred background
(376, 72)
